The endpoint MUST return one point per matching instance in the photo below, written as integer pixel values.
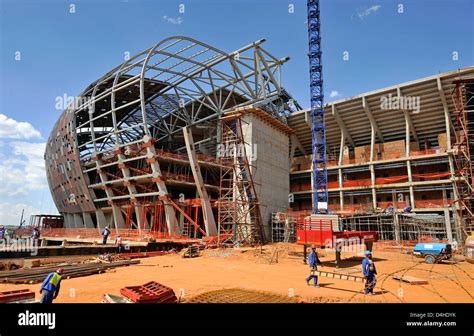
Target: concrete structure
(390, 146)
(268, 152)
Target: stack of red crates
(151, 292)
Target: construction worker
(369, 271)
(313, 262)
(119, 243)
(105, 234)
(50, 286)
(35, 235)
(390, 209)
(2, 233)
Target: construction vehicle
(433, 252)
(324, 231)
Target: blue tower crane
(318, 131)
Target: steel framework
(318, 131)
(110, 150)
(178, 82)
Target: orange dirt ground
(234, 268)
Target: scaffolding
(283, 228)
(400, 227)
(239, 215)
(463, 100)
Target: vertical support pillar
(410, 180)
(101, 220)
(374, 192)
(87, 218)
(119, 223)
(132, 190)
(341, 181)
(209, 222)
(78, 221)
(447, 221)
(396, 219)
(407, 155)
(69, 221)
(170, 214)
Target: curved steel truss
(178, 82)
(119, 156)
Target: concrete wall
(270, 149)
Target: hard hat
(313, 246)
(368, 252)
(60, 270)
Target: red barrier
(131, 234)
(434, 203)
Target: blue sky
(62, 52)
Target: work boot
(307, 281)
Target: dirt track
(217, 269)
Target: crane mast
(318, 129)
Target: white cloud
(362, 14)
(176, 21)
(22, 168)
(334, 94)
(12, 129)
(10, 214)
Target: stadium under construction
(184, 140)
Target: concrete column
(410, 180)
(132, 190)
(341, 181)
(371, 166)
(341, 193)
(69, 221)
(119, 223)
(447, 115)
(101, 220)
(79, 224)
(447, 221)
(87, 219)
(162, 190)
(396, 222)
(208, 215)
(374, 192)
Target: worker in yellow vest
(50, 286)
